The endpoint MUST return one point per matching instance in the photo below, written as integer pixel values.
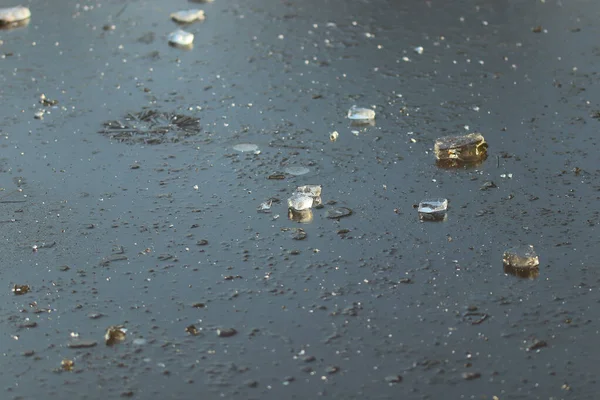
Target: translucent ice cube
(521, 257)
(300, 202)
(433, 209)
(363, 114)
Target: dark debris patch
(20, 289)
(152, 127)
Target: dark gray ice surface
(160, 233)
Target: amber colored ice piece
(459, 150)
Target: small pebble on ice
(188, 16)
(181, 38)
(333, 136)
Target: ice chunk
(311, 190)
(265, 206)
(333, 136)
(522, 257)
(362, 114)
(303, 216)
(188, 16)
(433, 209)
(181, 38)
(14, 14)
(300, 202)
(461, 149)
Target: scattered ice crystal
(333, 136)
(419, 50)
(433, 209)
(188, 16)
(14, 14)
(358, 113)
(300, 202)
(181, 38)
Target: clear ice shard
(300, 202)
(522, 257)
(433, 209)
(469, 148)
(361, 114)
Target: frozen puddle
(297, 170)
(246, 147)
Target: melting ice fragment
(14, 14)
(181, 38)
(313, 191)
(300, 202)
(433, 209)
(361, 114)
(115, 334)
(303, 216)
(188, 16)
(521, 261)
(265, 207)
(454, 150)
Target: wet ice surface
(162, 237)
